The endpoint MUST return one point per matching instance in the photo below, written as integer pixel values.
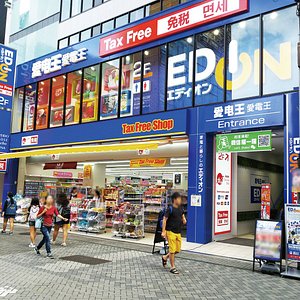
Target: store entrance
(116, 193)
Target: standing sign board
(265, 212)
(222, 213)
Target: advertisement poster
(265, 212)
(245, 141)
(256, 181)
(292, 224)
(268, 237)
(223, 182)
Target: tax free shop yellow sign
(145, 127)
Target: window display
(110, 89)
(154, 80)
(90, 94)
(42, 110)
(17, 110)
(29, 107)
(131, 85)
(57, 101)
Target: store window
(17, 110)
(57, 101)
(86, 34)
(137, 14)
(42, 111)
(96, 30)
(74, 39)
(90, 94)
(169, 3)
(109, 89)
(153, 8)
(87, 4)
(74, 82)
(154, 80)
(131, 85)
(76, 7)
(63, 43)
(29, 107)
(122, 20)
(180, 74)
(209, 79)
(280, 72)
(98, 2)
(107, 26)
(243, 66)
(65, 9)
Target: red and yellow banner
(148, 162)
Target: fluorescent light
(274, 15)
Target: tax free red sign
(181, 20)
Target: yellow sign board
(148, 162)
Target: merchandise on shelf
(91, 220)
(22, 208)
(111, 199)
(128, 220)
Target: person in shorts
(63, 207)
(171, 230)
(9, 213)
(32, 214)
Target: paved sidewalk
(131, 273)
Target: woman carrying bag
(45, 222)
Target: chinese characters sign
(264, 112)
(57, 62)
(223, 182)
(7, 76)
(190, 17)
(245, 141)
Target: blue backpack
(11, 208)
(162, 214)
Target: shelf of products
(22, 208)
(128, 220)
(91, 220)
(111, 199)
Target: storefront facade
(205, 68)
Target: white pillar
(98, 176)
(21, 175)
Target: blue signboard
(240, 115)
(4, 130)
(160, 124)
(7, 76)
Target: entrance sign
(193, 16)
(245, 141)
(265, 212)
(223, 182)
(148, 162)
(263, 112)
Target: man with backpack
(171, 230)
(9, 213)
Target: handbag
(39, 223)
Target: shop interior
(132, 193)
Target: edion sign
(192, 16)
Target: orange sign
(148, 162)
(87, 172)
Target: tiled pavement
(133, 273)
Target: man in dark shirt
(171, 230)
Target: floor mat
(239, 241)
(87, 260)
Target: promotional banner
(255, 184)
(148, 162)
(245, 141)
(265, 212)
(223, 182)
(59, 174)
(60, 165)
(292, 224)
(268, 237)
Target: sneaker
(11, 233)
(31, 245)
(53, 242)
(37, 251)
(64, 244)
(3, 232)
(50, 256)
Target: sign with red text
(223, 182)
(193, 16)
(265, 213)
(30, 140)
(3, 166)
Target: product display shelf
(22, 209)
(128, 220)
(111, 199)
(133, 196)
(92, 220)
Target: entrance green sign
(244, 141)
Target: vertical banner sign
(292, 223)
(265, 212)
(7, 82)
(87, 175)
(223, 182)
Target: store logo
(220, 179)
(6, 64)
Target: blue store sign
(4, 130)
(239, 115)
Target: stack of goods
(22, 208)
(128, 220)
(91, 220)
(82, 219)
(73, 216)
(111, 199)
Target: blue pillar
(10, 178)
(199, 229)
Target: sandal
(174, 271)
(164, 261)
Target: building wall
(2, 21)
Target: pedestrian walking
(171, 230)
(63, 207)
(9, 213)
(46, 213)
(33, 211)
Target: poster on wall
(268, 237)
(223, 182)
(265, 212)
(292, 224)
(256, 181)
